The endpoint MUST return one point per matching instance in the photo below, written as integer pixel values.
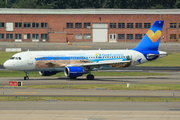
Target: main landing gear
(90, 77)
(26, 77)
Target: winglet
(152, 38)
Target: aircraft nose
(6, 64)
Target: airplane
(78, 62)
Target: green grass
(112, 86)
(5, 56)
(170, 60)
(136, 99)
(95, 73)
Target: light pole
(6, 3)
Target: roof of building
(89, 11)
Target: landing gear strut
(90, 77)
(26, 77)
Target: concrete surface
(86, 93)
(169, 47)
(173, 78)
(87, 115)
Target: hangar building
(86, 25)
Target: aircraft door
(30, 62)
(30, 59)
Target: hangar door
(100, 31)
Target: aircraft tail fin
(152, 38)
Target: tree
(15, 6)
(27, 3)
(79, 4)
(3, 4)
(47, 4)
(177, 4)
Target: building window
(87, 25)
(27, 25)
(1, 25)
(121, 25)
(1, 36)
(44, 25)
(18, 25)
(147, 25)
(112, 25)
(35, 25)
(129, 36)
(129, 25)
(9, 36)
(27, 36)
(18, 36)
(78, 25)
(138, 25)
(87, 36)
(78, 36)
(44, 36)
(121, 36)
(172, 36)
(172, 25)
(138, 36)
(69, 25)
(35, 36)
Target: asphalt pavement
(39, 46)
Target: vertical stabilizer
(152, 38)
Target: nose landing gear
(26, 77)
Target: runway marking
(84, 46)
(25, 92)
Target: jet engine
(73, 72)
(47, 73)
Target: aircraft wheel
(26, 78)
(90, 77)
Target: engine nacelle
(73, 72)
(47, 73)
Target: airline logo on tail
(154, 36)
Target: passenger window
(19, 58)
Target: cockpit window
(15, 58)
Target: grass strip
(5, 56)
(95, 73)
(136, 99)
(112, 86)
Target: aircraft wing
(100, 63)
